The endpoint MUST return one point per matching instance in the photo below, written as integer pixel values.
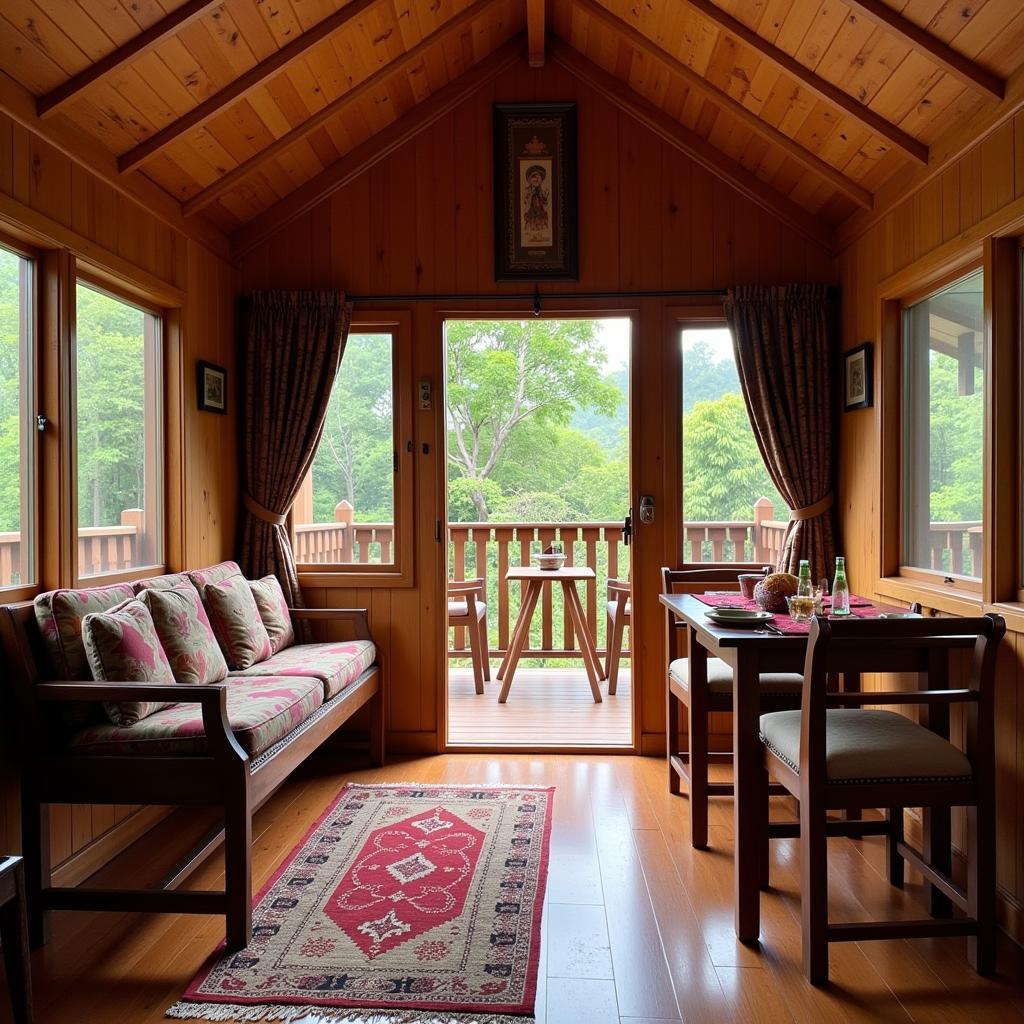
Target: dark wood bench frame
(223, 777)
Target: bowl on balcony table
(550, 560)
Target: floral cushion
(236, 622)
(173, 581)
(213, 574)
(261, 712)
(185, 634)
(274, 612)
(122, 645)
(59, 614)
(336, 665)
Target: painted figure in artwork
(536, 225)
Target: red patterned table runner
(860, 607)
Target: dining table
(780, 646)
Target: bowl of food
(800, 608)
(550, 560)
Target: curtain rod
(537, 296)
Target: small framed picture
(212, 387)
(858, 377)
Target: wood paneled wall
(56, 203)
(420, 221)
(980, 194)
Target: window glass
(118, 407)
(943, 432)
(731, 510)
(17, 561)
(345, 511)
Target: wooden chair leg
(697, 724)
(672, 740)
(614, 654)
(763, 809)
(238, 868)
(814, 891)
(894, 862)
(485, 644)
(937, 848)
(35, 846)
(981, 887)
(14, 936)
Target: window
(17, 433)
(118, 434)
(345, 514)
(943, 430)
(731, 510)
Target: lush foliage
(10, 393)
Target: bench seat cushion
(336, 665)
(261, 711)
(720, 678)
(869, 746)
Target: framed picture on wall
(858, 377)
(535, 216)
(212, 387)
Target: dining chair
(832, 757)
(620, 608)
(467, 607)
(779, 690)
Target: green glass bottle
(840, 589)
(803, 588)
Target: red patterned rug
(417, 903)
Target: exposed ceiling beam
(228, 181)
(166, 27)
(20, 105)
(377, 147)
(811, 161)
(535, 29)
(256, 76)
(971, 74)
(814, 83)
(690, 143)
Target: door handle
(646, 508)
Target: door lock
(646, 508)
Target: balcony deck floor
(547, 707)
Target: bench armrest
(211, 697)
(357, 616)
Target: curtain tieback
(812, 511)
(262, 512)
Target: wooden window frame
(399, 572)
(163, 454)
(677, 320)
(29, 388)
(1000, 586)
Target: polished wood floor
(637, 925)
(546, 707)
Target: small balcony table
(533, 583)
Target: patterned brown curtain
(783, 354)
(292, 354)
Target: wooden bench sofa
(209, 764)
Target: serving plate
(724, 616)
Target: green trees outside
(10, 393)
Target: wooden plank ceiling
(231, 105)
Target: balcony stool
(620, 610)
(466, 607)
(14, 937)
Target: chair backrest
(682, 581)
(921, 646)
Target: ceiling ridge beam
(535, 31)
(377, 147)
(235, 90)
(811, 161)
(691, 144)
(972, 74)
(50, 103)
(820, 87)
(228, 181)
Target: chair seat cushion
(261, 711)
(613, 607)
(336, 665)
(720, 678)
(869, 746)
(460, 609)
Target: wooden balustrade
(949, 543)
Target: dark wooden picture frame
(535, 214)
(212, 387)
(859, 377)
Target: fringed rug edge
(332, 1015)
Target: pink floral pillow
(274, 612)
(122, 646)
(236, 622)
(185, 634)
(213, 574)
